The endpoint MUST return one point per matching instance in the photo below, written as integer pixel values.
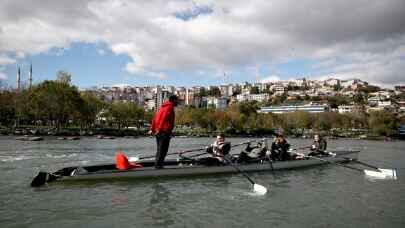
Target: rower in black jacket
(318, 146)
(279, 148)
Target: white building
(253, 97)
(294, 108)
(332, 82)
(150, 104)
(277, 89)
(346, 108)
(219, 103)
(300, 82)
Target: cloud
(341, 37)
(3, 76)
(271, 78)
(5, 60)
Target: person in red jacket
(162, 127)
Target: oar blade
(133, 159)
(384, 174)
(39, 179)
(389, 173)
(259, 189)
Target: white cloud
(3, 76)
(271, 78)
(341, 37)
(5, 60)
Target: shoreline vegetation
(111, 133)
(60, 109)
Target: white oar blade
(133, 159)
(259, 189)
(382, 175)
(389, 173)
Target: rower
(217, 150)
(279, 148)
(318, 146)
(253, 153)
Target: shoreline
(129, 133)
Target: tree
(335, 101)
(254, 90)
(54, 102)
(91, 107)
(214, 92)
(63, 77)
(383, 123)
(123, 114)
(7, 108)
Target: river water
(326, 196)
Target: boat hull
(184, 170)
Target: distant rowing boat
(27, 138)
(175, 168)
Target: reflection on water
(160, 210)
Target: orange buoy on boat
(122, 163)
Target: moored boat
(28, 138)
(178, 168)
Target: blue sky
(187, 43)
(95, 65)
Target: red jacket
(163, 120)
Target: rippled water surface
(327, 196)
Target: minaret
(18, 79)
(30, 77)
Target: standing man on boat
(162, 127)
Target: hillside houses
(219, 97)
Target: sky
(202, 42)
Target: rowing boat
(178, 168)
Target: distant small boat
(73, 138)
(105, 137)
(68, 138)
(27, 138)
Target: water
(327, 196)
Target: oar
(270, 162)
(389, 173)
(257, 188)
(135, 158)
(235, 145)
(369, 173)
(43, 177)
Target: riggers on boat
(177, 168)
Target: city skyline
(190, 43)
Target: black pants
(162, 141)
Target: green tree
(335, 101)
(64, 77)
(91, 107)
(55, 103)
(254, 90)
(7, 108)
(214, 91)
(383, 123)
(123, 114)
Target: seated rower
(318, 146)
(218, 150)
(253, 153)
(279, 148)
